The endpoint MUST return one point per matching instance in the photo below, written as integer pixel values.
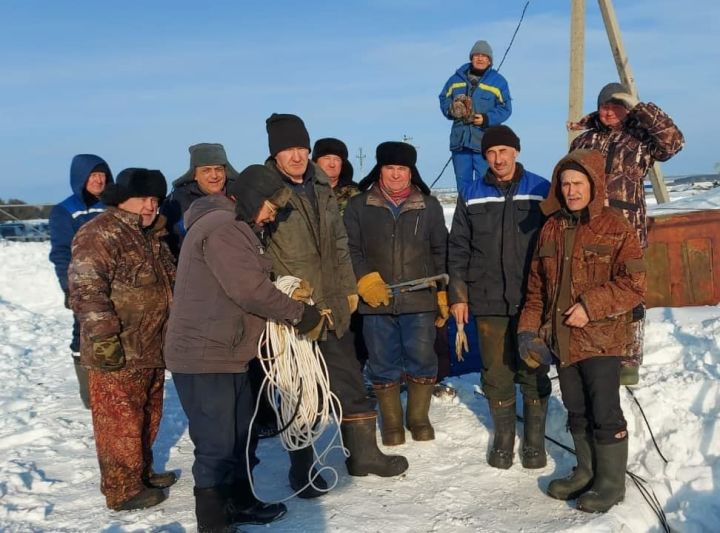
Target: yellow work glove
(443, 309)
(373, 290)
(353, 300)
(303, 292)
(461, 342)
(108, 353)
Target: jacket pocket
(597, 259)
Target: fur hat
(286, 131)
(482, 47)
(500, 135)
(254, 185)
(135, 183)
(205, 155)
(332, 146)
(395, 153)
(606, 92)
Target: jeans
(399, 345)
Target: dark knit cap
(499, 136)
(135, 183)
(606, 92)
(572, 165)
(286, 131)
(206, 155)
(482, 47)
(395, 153)
(254, 185)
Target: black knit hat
(499, 136)
(395, 153)
(606, 92)
(286, 131)
(254, 185)
(332, 146)
(205, 155)
(135, 183)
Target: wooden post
(626, 77)
(577, 62)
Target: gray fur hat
(204, 155)
(606, 92)
(482, 47)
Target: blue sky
(138, 82)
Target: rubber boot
(302, 471)
(503, 415)
(82, 376)
(212, 510)
(245, 508)
(392, 430)
(629, 375)
(608, 486)
(533, 444)
(360, 438)
(418, 406)
(581, 479)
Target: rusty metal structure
(683, 259)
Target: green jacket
(311, 243)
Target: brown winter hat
(286, 131)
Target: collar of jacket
(490, 178)
(157, 228)
(312, 172)
(376, 198)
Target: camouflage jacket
(120, 279)
(604, 270)
(647, 135)
(343, 193)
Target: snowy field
(49, 479)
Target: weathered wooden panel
(683, 259)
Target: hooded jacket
(120, 281)
(308, 240)
(405, 247)
(491, 242)
(68, 216)
(223, 293)
(490, 97)
(606, 272)
(647, 135)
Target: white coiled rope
(297, 386)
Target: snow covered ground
(49, 476)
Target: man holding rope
(308, 241)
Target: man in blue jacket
(491, 243)
(474, 98)
(89, 174)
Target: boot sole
(599, 509)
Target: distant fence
(24, 222)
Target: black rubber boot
(161, 480)
(581, 479)
(142, 500)
(245, 508)
(360, 438)
(533, 443)
(82, 376)
(302, 471)
(608, 487)
(212, 510)
(503, 415)
(391, 428)
(418, 408)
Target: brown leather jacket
(120, 280)
(607, 272)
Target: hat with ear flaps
(207, 155)
(135, 183)
(332, 146)
(255, 185)
(589, 162)
(395, 153)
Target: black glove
(108, 353)
(533, 350)
(310, 323)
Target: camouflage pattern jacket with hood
(647, 135)
(121, 279)
(604, 268)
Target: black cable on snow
(652, 436)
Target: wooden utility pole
(577, 60)
(626, 77)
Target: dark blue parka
(492, 240)
(74, 211)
